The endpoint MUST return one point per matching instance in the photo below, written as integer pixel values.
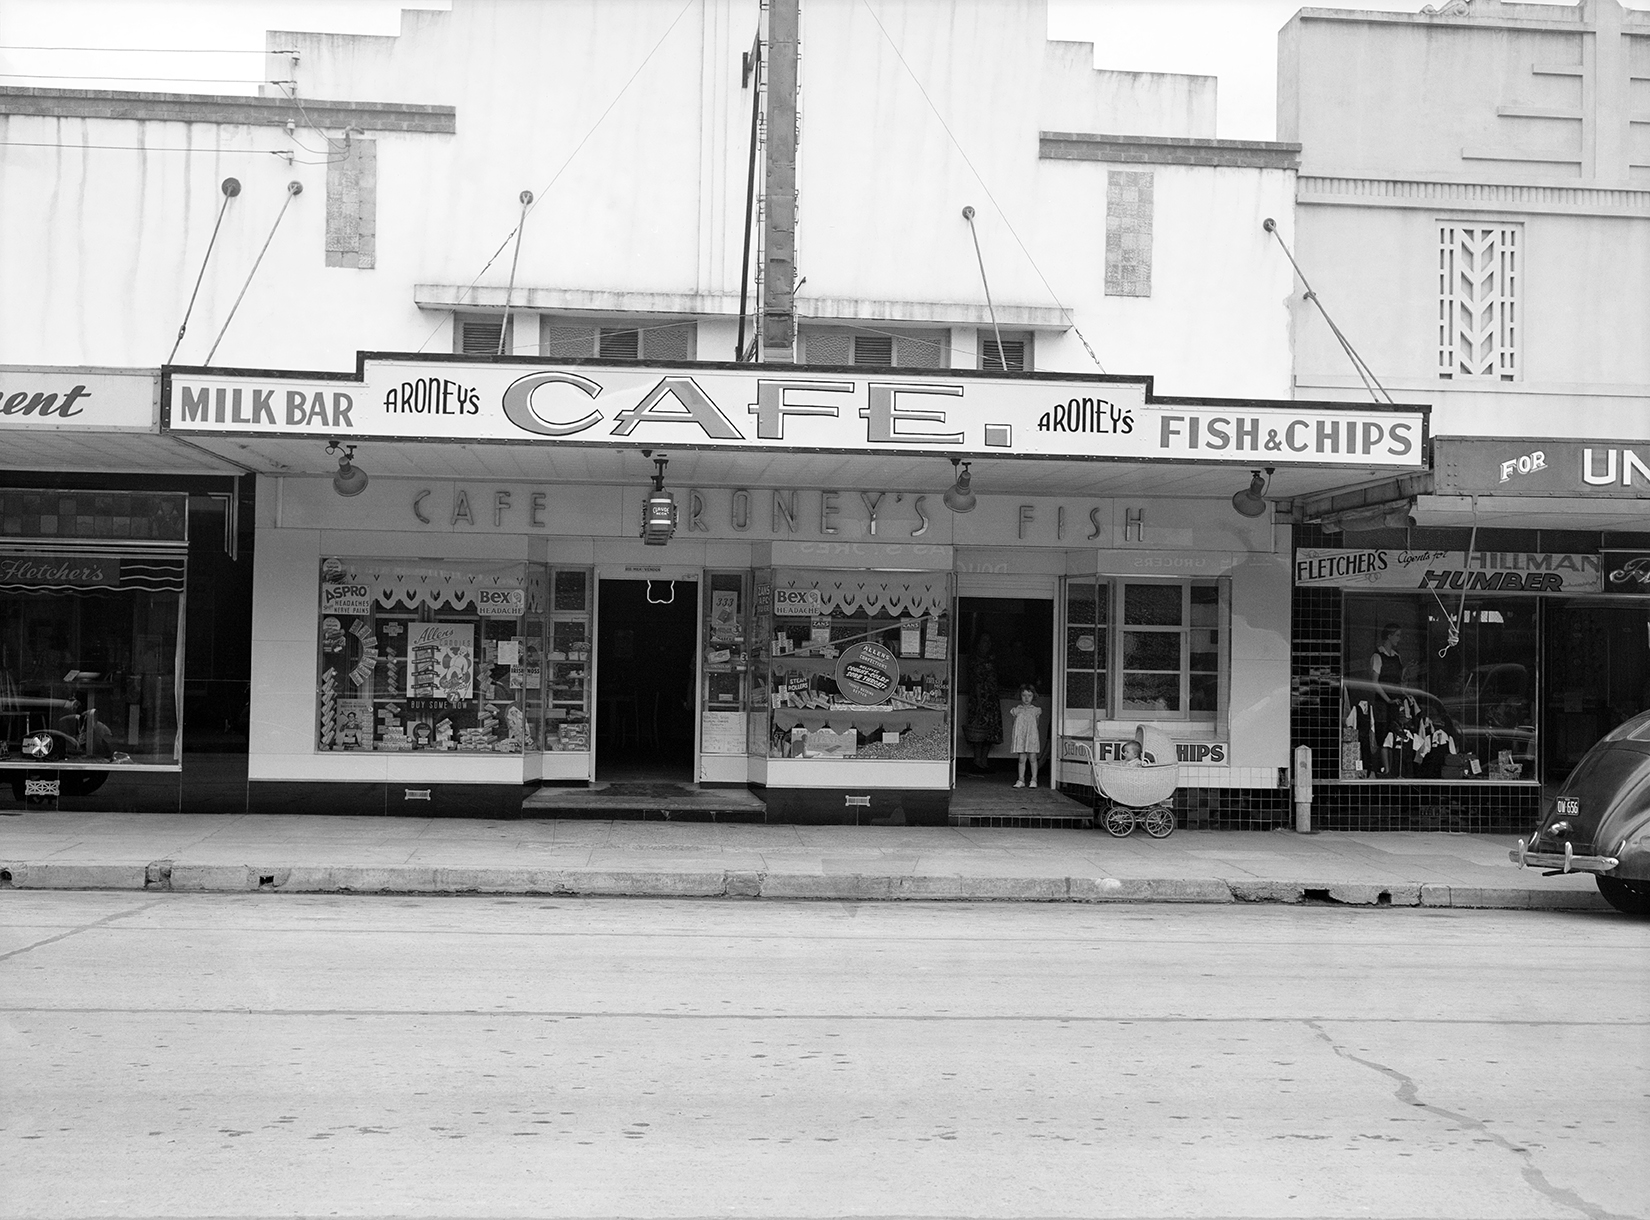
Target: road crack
(1409, 1094)
(86, 927)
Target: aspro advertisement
(783, 408)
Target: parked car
(1599, 820)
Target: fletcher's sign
(59, 571)
(786, 408)
(1453, 571)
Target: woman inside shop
(984, 727)
(1386, 671)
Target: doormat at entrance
(642, 797)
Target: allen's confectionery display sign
(441, 661)
(867, 673)
(710, 406)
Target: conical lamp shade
(1250, 501)
(350, 480)
(958, 497)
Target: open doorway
(1015, 637)
(645, 697)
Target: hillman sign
(743, 406)
(1456, 571)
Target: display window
(1439, 689)
(725, 663)
(1144, 650)
(92, 599)
(470, 658)
(854, 664)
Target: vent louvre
(991, 357)
(874, 349)
(620, 344)
(479, 336)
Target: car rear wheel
(1631, 897)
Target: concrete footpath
(243, 853)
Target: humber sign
(742, 406)
(1457, 571)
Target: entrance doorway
(645, 697)
(1019, 632)
(1596, 674)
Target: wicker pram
(1138, 794)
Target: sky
(215, 46)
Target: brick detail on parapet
(352, 204)
(1167, 150)
(1497, 197)
(1129, 233)
(219, 108)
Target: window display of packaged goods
(725, 663)
(856, 665)
(567, 660)
(415, 657)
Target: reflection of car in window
(1407, 734)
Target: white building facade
(1473, 209)
(508, 293)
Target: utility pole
(779, 186)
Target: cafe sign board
(765, 407)
(1397, 570)
(1523, 466)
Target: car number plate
(1568, 806)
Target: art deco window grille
(1478, 314)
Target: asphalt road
(261, 1056)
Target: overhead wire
(158, 50)
(978, 177)
(198, 80)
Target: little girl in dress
(1027, 743)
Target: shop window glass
(1437, 689)
(91, 599)
(726, 666)
(1088, 606)
(856, 664)
(1164, 661)
(470, 658)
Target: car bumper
(1565, 862)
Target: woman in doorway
(984, 728)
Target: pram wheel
(1159, 821)
(1120, 821)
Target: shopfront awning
(726, 425)
(91, 418)
(1539, 483)
(529, 462)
